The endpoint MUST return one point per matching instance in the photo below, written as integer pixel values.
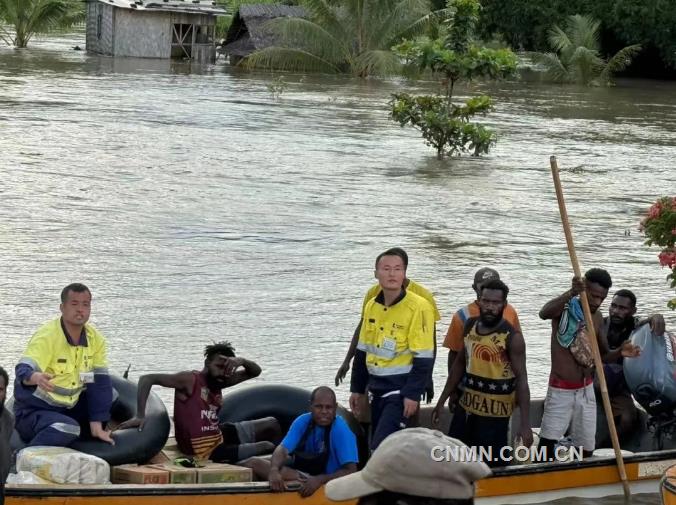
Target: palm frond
(326, 16)
(415, 28)
(308, 36)
(620, 61)
(558, 39)
(583, 31)
(5, 36)
(376, 62)
(555, 70)
(399, 17)
(29, 17)
(585, 64)
(285, 58)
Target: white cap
(406, 462)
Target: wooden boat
(519, 484)
(668, 486)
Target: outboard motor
(651, 377)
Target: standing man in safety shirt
(395, 352)
(62, 382)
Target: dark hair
(76, 287)
(322, 389)
(222, 348)
(390, 498)
(498, 285)
(625, 293)
(3, 373)
(394, 251)
(599, 276)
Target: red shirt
(196, 419)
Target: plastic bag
(24, 477)
(651, 377)
(62, 465)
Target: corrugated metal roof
(189, 6)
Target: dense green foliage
(659, 227)
(524, 24)
(453, 57)
(576, 57)
(351, 36)
(30, 17)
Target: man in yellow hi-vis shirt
(395, 352)
(62, 381)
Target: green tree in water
(351, 36)
(31, 17)
(576, 57)
(454, 57)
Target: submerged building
(181, 29)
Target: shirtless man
(618, 327)
(570, 400)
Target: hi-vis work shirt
(75, 369)
(411, 287)
(489, 380)
(395, 352)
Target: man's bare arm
(345, 366)
(517, 357)
(554, 308)
(250, 371)
(181, 381)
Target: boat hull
(512, 485)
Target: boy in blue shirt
(319, 447)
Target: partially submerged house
(248, 32)
(153, 28)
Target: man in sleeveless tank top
(492, 366)
(455, 336)
(618, 327)
(197, 400)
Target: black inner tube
(284, 403)
(131, 446)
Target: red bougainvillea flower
(668, 258)
(655, 210)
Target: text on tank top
(489, 380)
(196, 419)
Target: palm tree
(29, 17)
(576, 57)
(352, 36)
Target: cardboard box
(135, 474)
(221, 472)
(179, 474)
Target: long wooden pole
(591, 331)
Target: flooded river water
(198, 208)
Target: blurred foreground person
(415, 466)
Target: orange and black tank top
(196, 419)
(489, 381)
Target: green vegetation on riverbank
(524, 25)
(577, 58)
(345, 37)
(26, 18)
